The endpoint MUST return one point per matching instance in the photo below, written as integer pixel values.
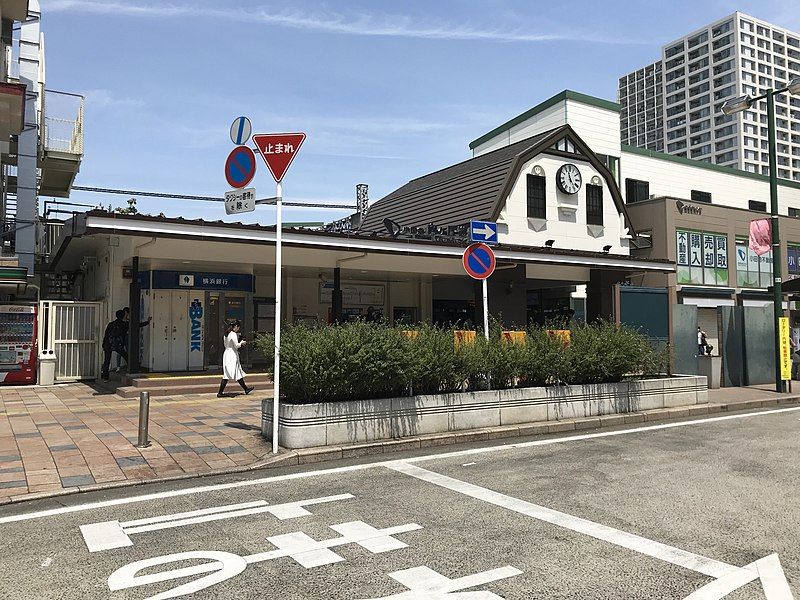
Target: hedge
(358, 361)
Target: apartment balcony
(15, 10)
(61, 142)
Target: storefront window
(702, 258)
(793, 260)
(752, 270)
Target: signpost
(483, 231)
(785, 347)
(240, 167)
(240, 201)
(479, 263)
(240, 130)
(278, 151)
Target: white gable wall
(567, 228)
(668, 178)
(548, 119)
(598, 127)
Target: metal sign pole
(278, 272)
(485, 309)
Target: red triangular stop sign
(278, 150)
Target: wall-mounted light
(607, 249)
(549, 243)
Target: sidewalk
(64, 438)
(68, 438)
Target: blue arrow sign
(483, 231)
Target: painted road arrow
(727, 577)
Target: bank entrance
(189, 311)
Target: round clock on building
(568, 179)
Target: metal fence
(50, 230)
(72, 329)
(63, 122)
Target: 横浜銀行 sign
(172, 280)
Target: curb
(319, 454)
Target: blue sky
(386, 91)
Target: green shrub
(436, 366)
(356, 361)
(605, 352)
(543, 359)
(342, 362)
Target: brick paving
(71, 436)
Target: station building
(587, 227)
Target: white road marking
(728, 577)
(223, 565)
(676, 556)
(767, 569)
(108, 535)
(424, 583)
(469, 464)
(194, 513)
(362, 467)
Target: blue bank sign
(196, 321)
(175, 280)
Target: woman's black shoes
(248, 390)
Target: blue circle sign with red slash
(479, 261)
(240, 167)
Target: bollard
(144, 418)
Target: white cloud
(360, 24)
(102, 98)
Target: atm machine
(17, 344)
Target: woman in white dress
(231, 366)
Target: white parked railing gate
(72, 330)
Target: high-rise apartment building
(673, 105)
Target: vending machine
(17, 344)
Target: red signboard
(278, 150)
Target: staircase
(181, 384)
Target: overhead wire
(82, 188)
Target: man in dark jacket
(114, 341)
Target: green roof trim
(560, 97)
(13, 275)
(699, 164)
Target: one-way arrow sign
(483, 231)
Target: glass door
(214, 333)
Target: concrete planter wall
(336, 423)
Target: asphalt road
(697, 510)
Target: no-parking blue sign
(479, 261)
(240, 167)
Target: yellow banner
(786, 349)
(514, 337)
(463, 337)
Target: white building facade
(734, 56)
(625, 217)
